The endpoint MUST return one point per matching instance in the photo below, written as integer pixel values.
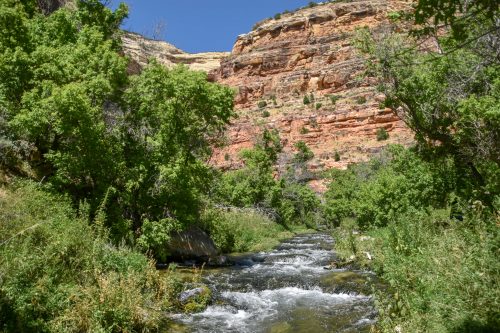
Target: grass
(58, 274)
(246, 230)
(443, 275)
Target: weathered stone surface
(192, 243)
(310, 52)
(141, 49)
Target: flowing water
(286, 290)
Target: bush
(243, 230)
(277, 16)
(318, 106)
(262, 104)
(266, 114)
(306, 100)
(304, 130)
(382, 134)
(61, 275)
(304, 152)
(337, 156)
(334, 99)
(442, 274)
(311, 4)
(361, 100)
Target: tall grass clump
(243, 230)
(58, 274)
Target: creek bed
(285, 290)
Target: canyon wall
(310, 53)
(141, 49)
(305, 56)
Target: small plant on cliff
(304, 130)
(318, 106)
(382, 134)
(336, 156)
(361, 100)
(334, 99)
(265, 113)
(304, 152)
(273, 98)
(262, 104)
(306, 100)
(277, 16)
(311, 4)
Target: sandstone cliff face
(310, 53)
(141, 49)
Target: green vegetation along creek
(101, 170)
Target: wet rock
(188, 295)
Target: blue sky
(201, 25)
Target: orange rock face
(310, 53)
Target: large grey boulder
(191, 244)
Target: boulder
(188, 295)
(191, 244)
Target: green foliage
(155, 235)
(243, 230)
(304, 130)
(377, 192)
(442, 273)
(306, 100)
(318, 106)
(262, 104)
(311, 4)
(416, 244)
(266, 114)
(449, 99)
(170, 114)
(277, 16)
(61, 275)
(304, 153)
(334, 99)
(361, 100)
(255, 186)
(455, 15)
(72, 117)
(382, 134)
(337, 156)
(199, 302)
(394, 16)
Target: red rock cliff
(310, 52)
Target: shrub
(277, 16)
(262, 104)
(265, 113)
(334, 99)
(361, 99)
(318, 106)
(306, 100)
(304, 152)
(382, 134)
(304, 130)
(337, 156)
(243, 230)
(61, 275)
(311, 4)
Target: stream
(286, 290)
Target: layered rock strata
(309, 56)
(141, 50)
